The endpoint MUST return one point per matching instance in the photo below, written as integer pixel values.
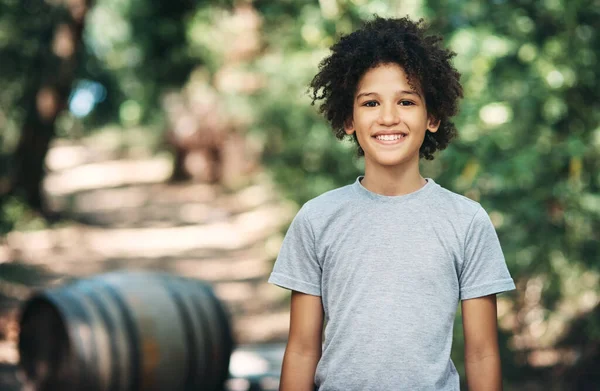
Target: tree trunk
(48, 96)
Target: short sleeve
(484, 271)
(297, 267)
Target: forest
(220, 89)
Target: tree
(50, 71)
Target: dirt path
(123, 214)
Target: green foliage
(146, 50)
(16, 215)
(300, 149)
(529, 127)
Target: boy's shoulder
(453, 203)
(457, 198)
(331, 197)
(328, 201)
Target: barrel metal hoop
(224, 317)
(223, 333)
(115, 368)
(208, 332)
(79, 313)
(133, 337)
(190, 336)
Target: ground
(123, 214)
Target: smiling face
(389, 118)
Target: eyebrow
(402, 92)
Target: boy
(385, 261)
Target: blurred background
(178, 136)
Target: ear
(349, 126)
(433, 124)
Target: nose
(389, 115)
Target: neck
(393, 181)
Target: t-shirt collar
(421, 192)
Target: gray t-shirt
(390, 271)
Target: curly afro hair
(383, 41)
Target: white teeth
(389, 137)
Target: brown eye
(406, 103)
(370, 103)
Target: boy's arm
(482, 355)
(303, 349)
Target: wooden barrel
(126, 331)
